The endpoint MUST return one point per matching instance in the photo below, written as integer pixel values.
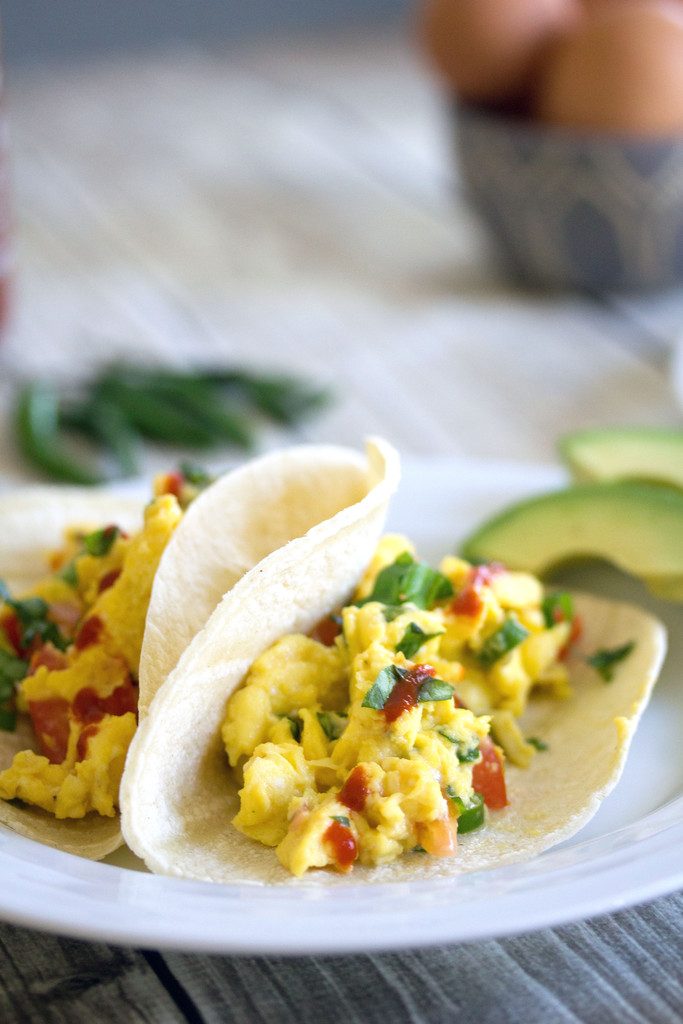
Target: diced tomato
(440, 838)
(47, 656)
(355, 790)
(89, 633)
(12, 630)
(326, 631)
(468, 602)
(488, 776)
(89, 707)
(108, 580)
(404, 695)
(174, 483)
(574, 636)
(50, 719)
(343, 844)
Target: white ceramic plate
(630, 852)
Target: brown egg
(487, 49)
(620, 70)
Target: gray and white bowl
(570, 210)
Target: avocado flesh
(619, 453)
(637, 526)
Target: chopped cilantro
(539, 744)
(100, 542)
(508, 636)
(413, 639)
(604, 661)
(195, 475)
(12, 671)
(409, 582)
(32, 614)
(296, 726)
(435, 690)
(465, 755)
(332, 724)
(557, 608)
(342, 819)
(378, 694)
(69, 573)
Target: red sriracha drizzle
(406, 690)
(89, 633)
(468, 601)
(574, 635)
(343, 843)
(488, 777)
(355, 790)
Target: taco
(73, 661)
(365, 712)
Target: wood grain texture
(622, 969)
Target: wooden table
(297, 203)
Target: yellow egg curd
(371, 738)
(69, 660)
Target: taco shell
(229, 528)
(178, 794)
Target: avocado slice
(618, 453)
(637, 526)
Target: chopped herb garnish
(296, 726)
(378, 694)
(409, 582)
(342, 819)
(332, 724)
(100, 542)
(605, 661)
(195, 475)
(539, 744)
(69, 573)
(465, 755)
(557, 608)
(413, 639)
(470, 816)
(12, 671)
(392, 611)
(507, 637)
(32, 615)
(435, 690)
(418, 849)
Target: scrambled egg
(376, 742)
(79, 635)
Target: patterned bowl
(582, 211)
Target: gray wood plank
(49, 980)
(623, 969)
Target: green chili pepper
(104, 422)
(469, 816)
(37, 424)
(157, 417)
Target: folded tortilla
(233, 525)
(179, 795)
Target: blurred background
(461, 221)
(45, 30)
